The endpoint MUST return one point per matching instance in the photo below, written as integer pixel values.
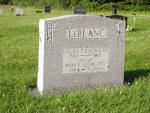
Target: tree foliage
(70, 3)
(5, 1)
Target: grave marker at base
(80, 51)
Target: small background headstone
(132, 27)
(1, 12)
(115, 16)
(19, 12)
(114, 9)
(12, 8)
(79, 10)
(47, 8)
(134, 20)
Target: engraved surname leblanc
(86, 33)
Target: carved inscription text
(77, 60)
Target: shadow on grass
(130, 76)
(137, 29)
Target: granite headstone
(80, 51)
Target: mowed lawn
(19, 61)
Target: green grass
(18, 71)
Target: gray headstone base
(35, 92)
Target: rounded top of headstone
(70, 16)
(81, 18)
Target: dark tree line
(5, 1)
(68, 3)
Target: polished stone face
(80, 51)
